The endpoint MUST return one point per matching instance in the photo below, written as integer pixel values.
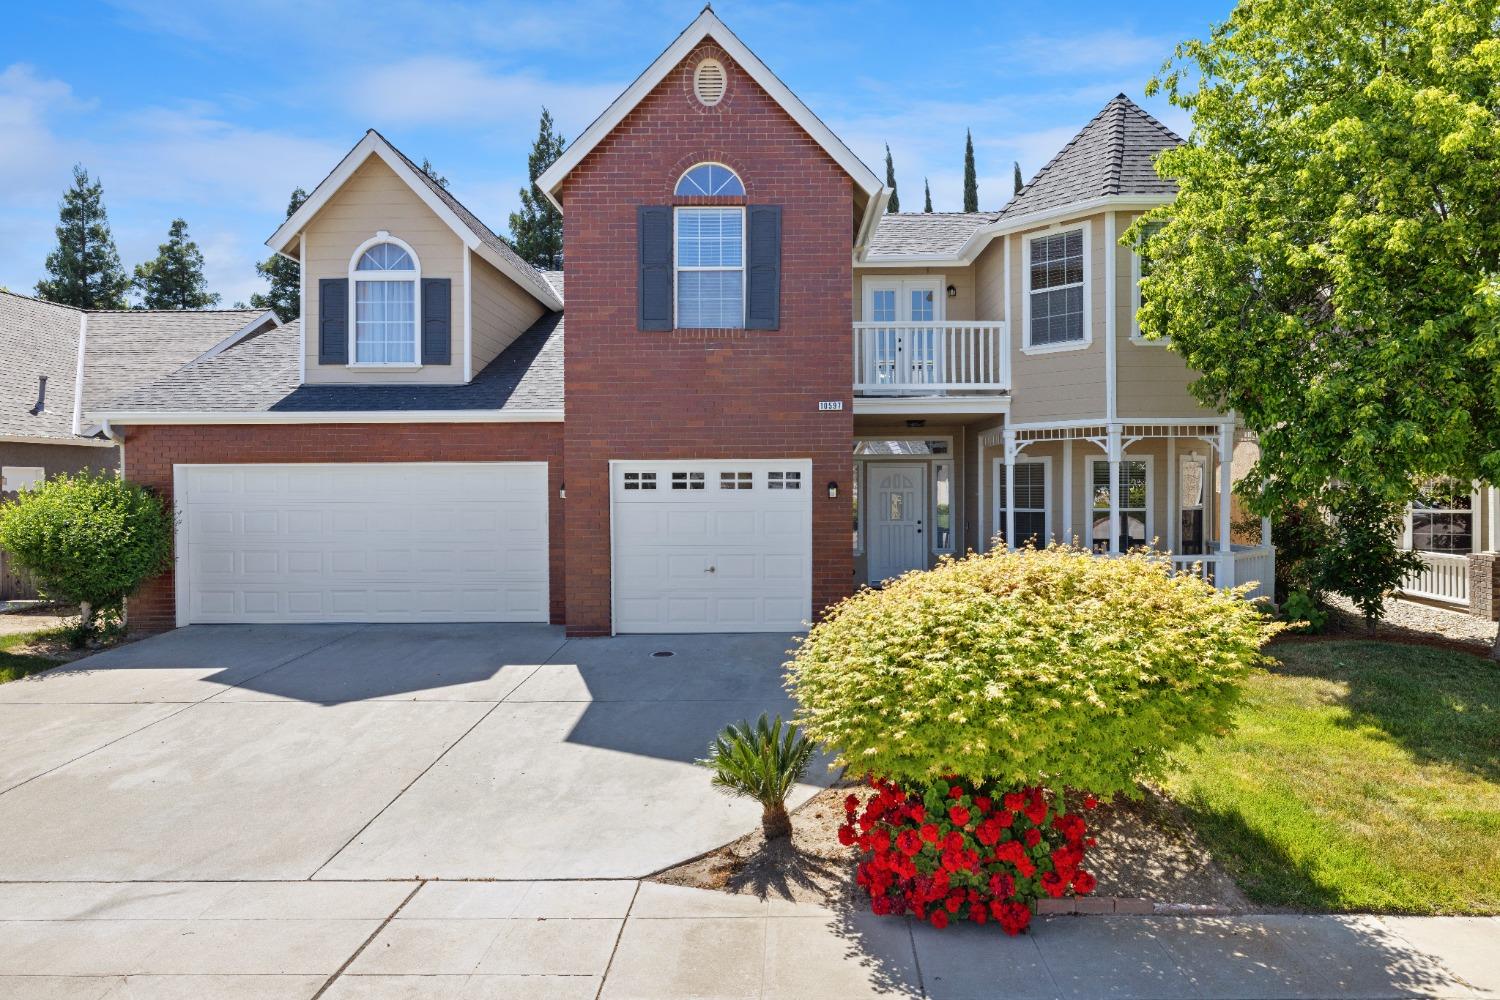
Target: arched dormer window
(713, 179)
(385, 287)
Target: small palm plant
(761, 762)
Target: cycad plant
(761, 762)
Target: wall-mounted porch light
(562, 491)
(952, 291)
(833, 490)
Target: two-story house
(770, 391)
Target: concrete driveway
(376, 752)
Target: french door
(908, 351)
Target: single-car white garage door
(712, 546)
(356, 542)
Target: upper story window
(385, 281)
(1056, 301)
(710, 262)
(1143, 270)
(712, 179)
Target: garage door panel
(732, 556)
(387, 542)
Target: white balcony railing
(919, 359)
(1444, 577)
(1240, 565)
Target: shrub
(960, 851)
(88, 539)
(1048, 667)
(1303, 612)
(761, 762)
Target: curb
(1123, 905)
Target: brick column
(1484, 585)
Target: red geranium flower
(958, 815)
(930, 833)
(908, 842)
(1090, 802)
(940, 919)
(851, 803)
(1033, 837)
(955, 792)
(1053, 885)
(983, 803)
(1014, 801)
(1084, 883)
(846, 835)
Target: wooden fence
(14, 586)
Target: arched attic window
(712, 179)
(385, 278)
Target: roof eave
(126, 418)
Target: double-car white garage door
(353, 542)
(721, 546)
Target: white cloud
(1104, 51)
(31, 152)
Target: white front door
(362, 542)
(713, 546)
(910, 352)
(898, 519)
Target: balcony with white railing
(944, 358)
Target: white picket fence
(1443, 577)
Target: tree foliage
(174, 278)
(88, 539)
(890, 180)
(431, 171)
(536, 231)
(971, 175)
(85, 267)
(285, 275)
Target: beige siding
(1151, 381)
(989, 282)
(374, 198)
(502, 312)
(1059, 385)
(959, 308)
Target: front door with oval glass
(898, 519)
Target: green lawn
(14, 666)
(1363, 776)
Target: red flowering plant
(955, 851)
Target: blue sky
(214, 110)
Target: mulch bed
(1145, 851)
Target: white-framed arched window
(712, 179)
(385, 303)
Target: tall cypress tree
(971, 177)
(174, 279)
(1017, 178)
(536, 231)
(927, 191)
(890, 180)
(85, 268)
(284, 274)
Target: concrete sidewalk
(622, 939)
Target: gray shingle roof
(555, 279)
(1112, 155)
(935, 234)
(479, 229)
(131, 348)
(37, 338)
(260, 374)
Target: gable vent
(709, 82)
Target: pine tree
(890, 180)
(971, 177)
(284, 274)
(174, 280)
(927, 190)
(85, 267)
(1017, 178)
(431, 171)
(536, 230)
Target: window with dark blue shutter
(333, 321)
(654, 286)
(763, 267)
(437, 321)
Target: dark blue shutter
(763, 269)
(333, 321)
(654, 287)
(437, 321)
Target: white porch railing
(1443, 577)
(1242, 564)
(931, 358)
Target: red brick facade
(150, 453)
(705, 394)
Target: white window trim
(1091, 510)
(1088, 306)
(1045, 461)
(33, 476)
(1474, 524)
(416, 277)
(708, 163)
(1135, 307)
(744, 269)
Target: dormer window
(385, 280)
(712, 179)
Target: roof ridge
(46, 302)
(1040, 174)
(195, 312)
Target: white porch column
(1226, 482)
(1114, 489)
(1067, 491)
(1174, 518)
(1494, 505)
(1010, 490)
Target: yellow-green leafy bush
(1039, 667)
